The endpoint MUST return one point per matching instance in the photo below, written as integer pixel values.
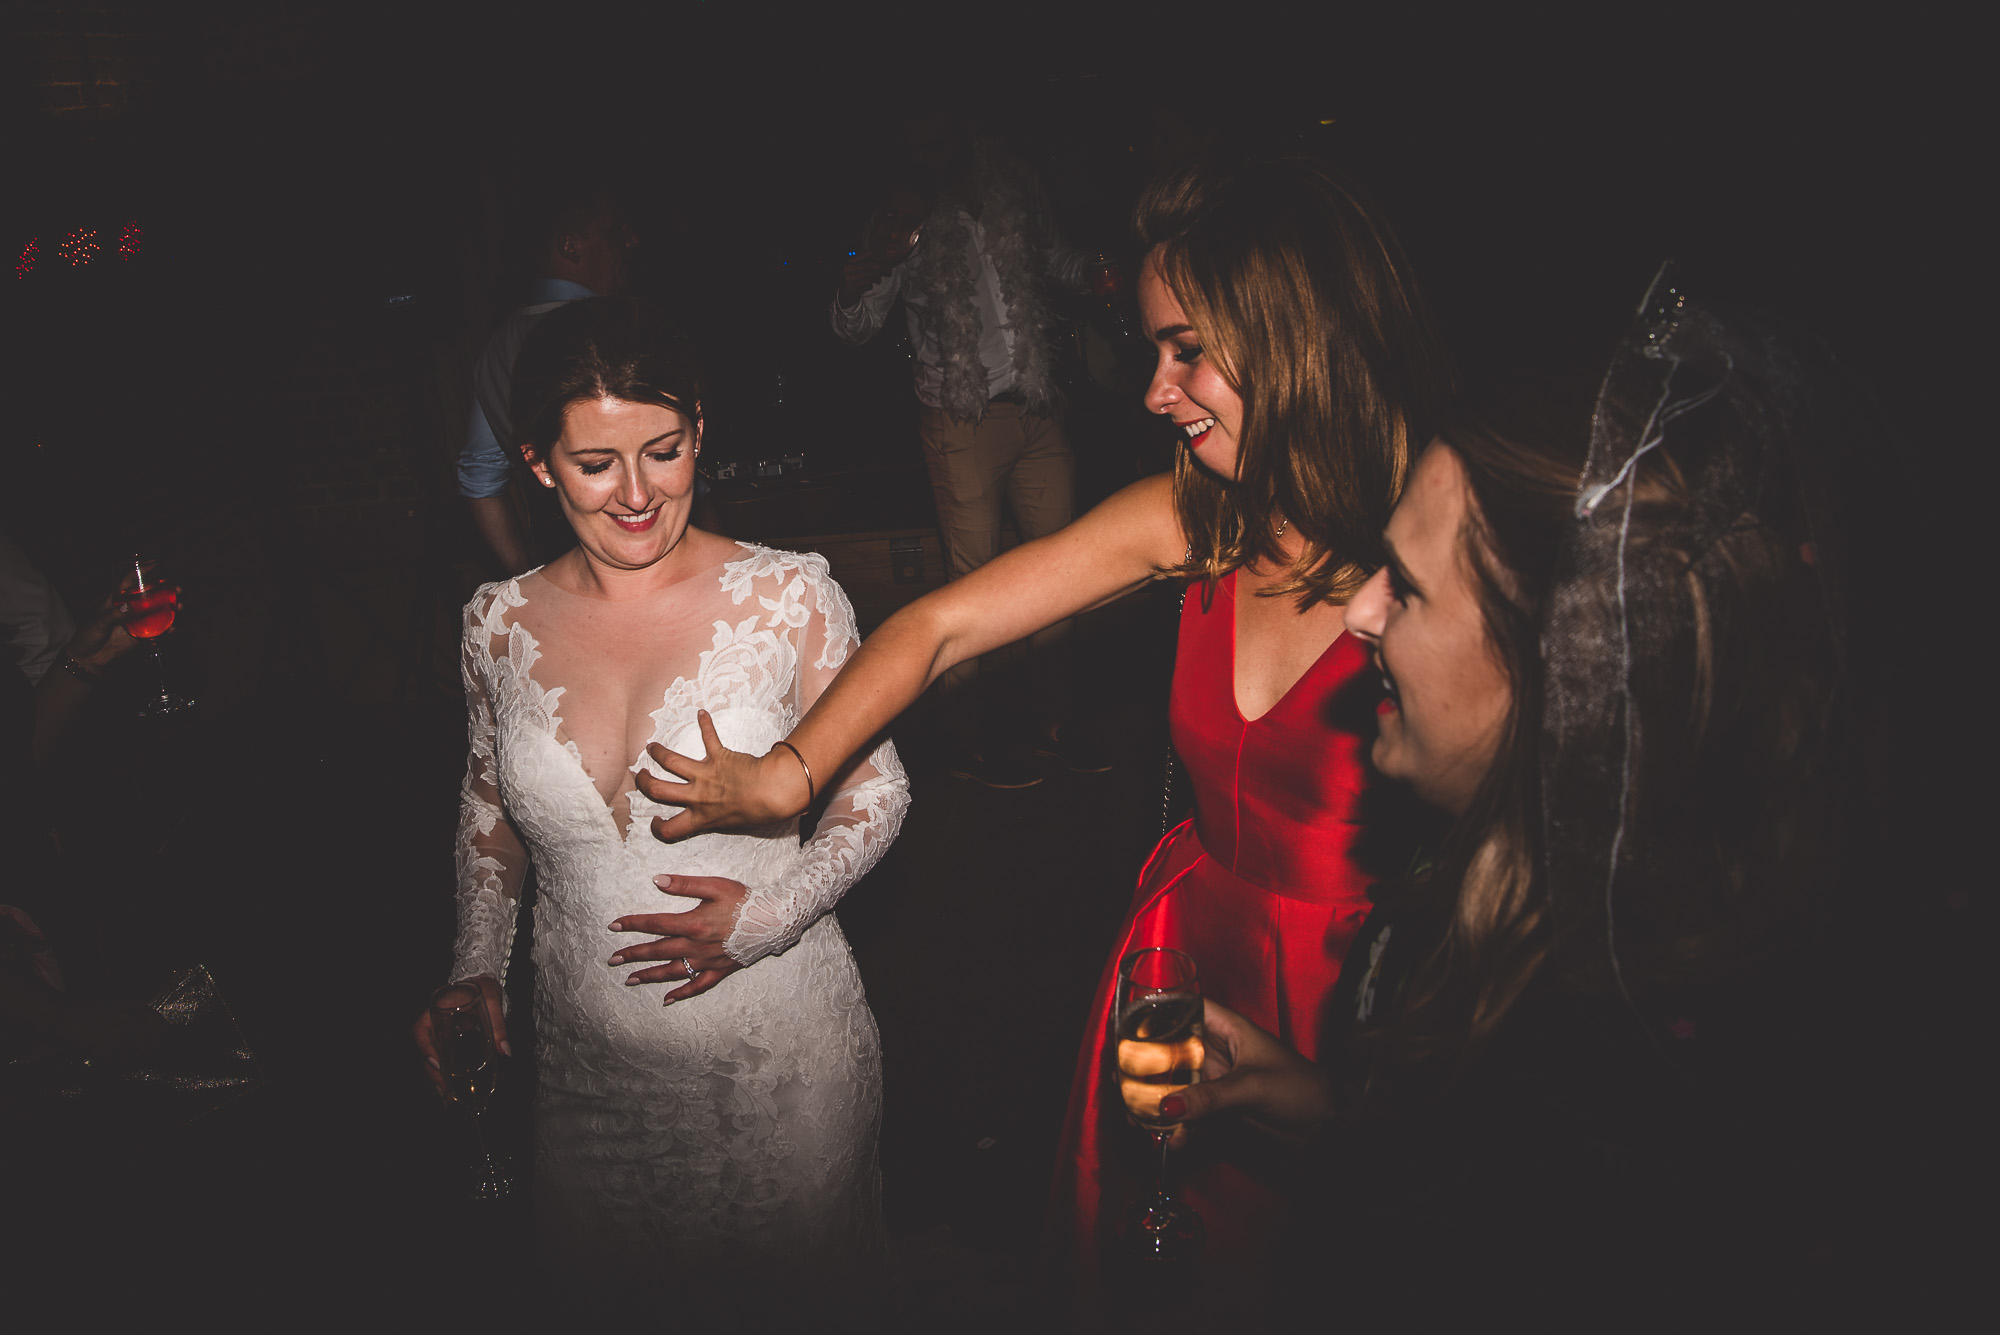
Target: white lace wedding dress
(732, 1134)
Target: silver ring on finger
(688, 964)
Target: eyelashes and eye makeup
(666, 456)
(1188, 353)
(1400, 587)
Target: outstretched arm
(862, 817)
(1116, 548)
(62, 692)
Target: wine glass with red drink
(148, 605)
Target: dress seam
(1242, 736)
(1236, 803)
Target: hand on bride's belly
(691, 943)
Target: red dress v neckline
(1290, 691)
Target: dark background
(270, 395)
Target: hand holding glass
(470, 1065)
(1157, 1025)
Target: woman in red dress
(1262, 886)
(1296, 362)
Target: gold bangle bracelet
(811, 792)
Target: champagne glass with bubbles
(470, 1063)
(1158, 1030)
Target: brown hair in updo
(602, 348)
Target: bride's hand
(690, 942)
(496, 1017)
(727, 790)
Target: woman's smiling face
(1449, 693)
(624, 473)
(1187, 386)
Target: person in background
(970, 270)
(49, 670)
(586, 250)
(34, 624)
(1576, 1073)
(59, 663)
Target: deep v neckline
(1234, 702)
(558, 734)
(568, 747)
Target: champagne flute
(470, 1064)
(148, 607)
(1157, 1027)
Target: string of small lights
(80, 247)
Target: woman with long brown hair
(1613, 643)
(1296, 361)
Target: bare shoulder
(1152, 495)
(1117, 547)
(565, 573)
(714, 549)
(1141, 519)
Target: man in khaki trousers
(968, 249)
(1023, 458)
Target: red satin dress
(1261, 887)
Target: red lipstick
(627, 523)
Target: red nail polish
(1174, 1106)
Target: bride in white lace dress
(730, 1133)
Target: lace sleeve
(862, 816)
(492, 862)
